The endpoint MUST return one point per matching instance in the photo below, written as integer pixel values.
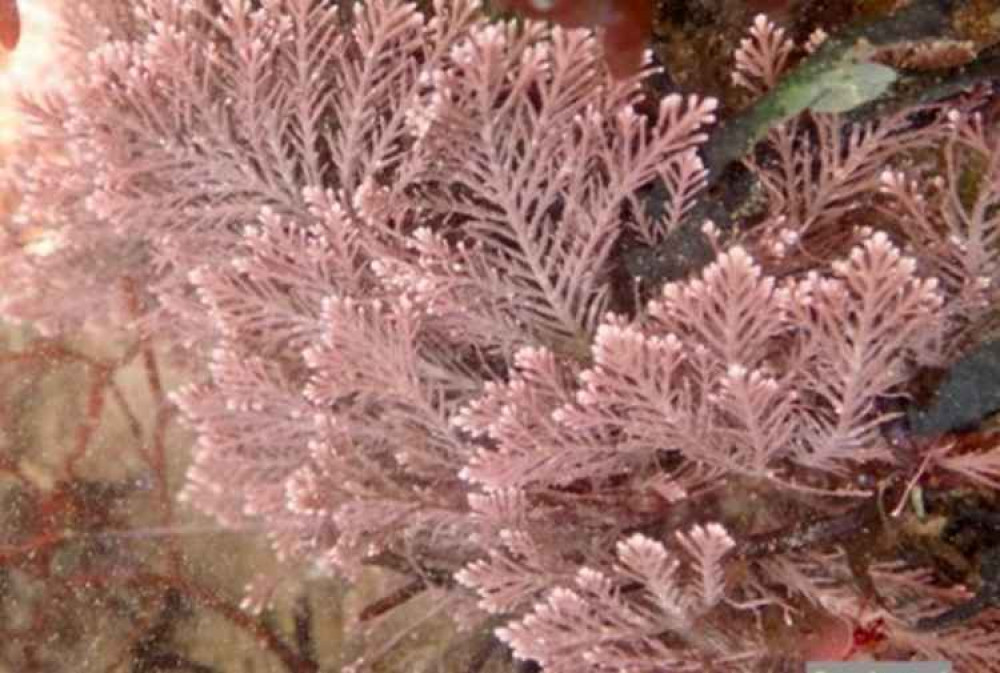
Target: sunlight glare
(32, 65)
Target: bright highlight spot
(32, 65)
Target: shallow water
(100, 568)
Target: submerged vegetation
(518, 353)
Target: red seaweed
(625, 25)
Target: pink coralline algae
(388, 245)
